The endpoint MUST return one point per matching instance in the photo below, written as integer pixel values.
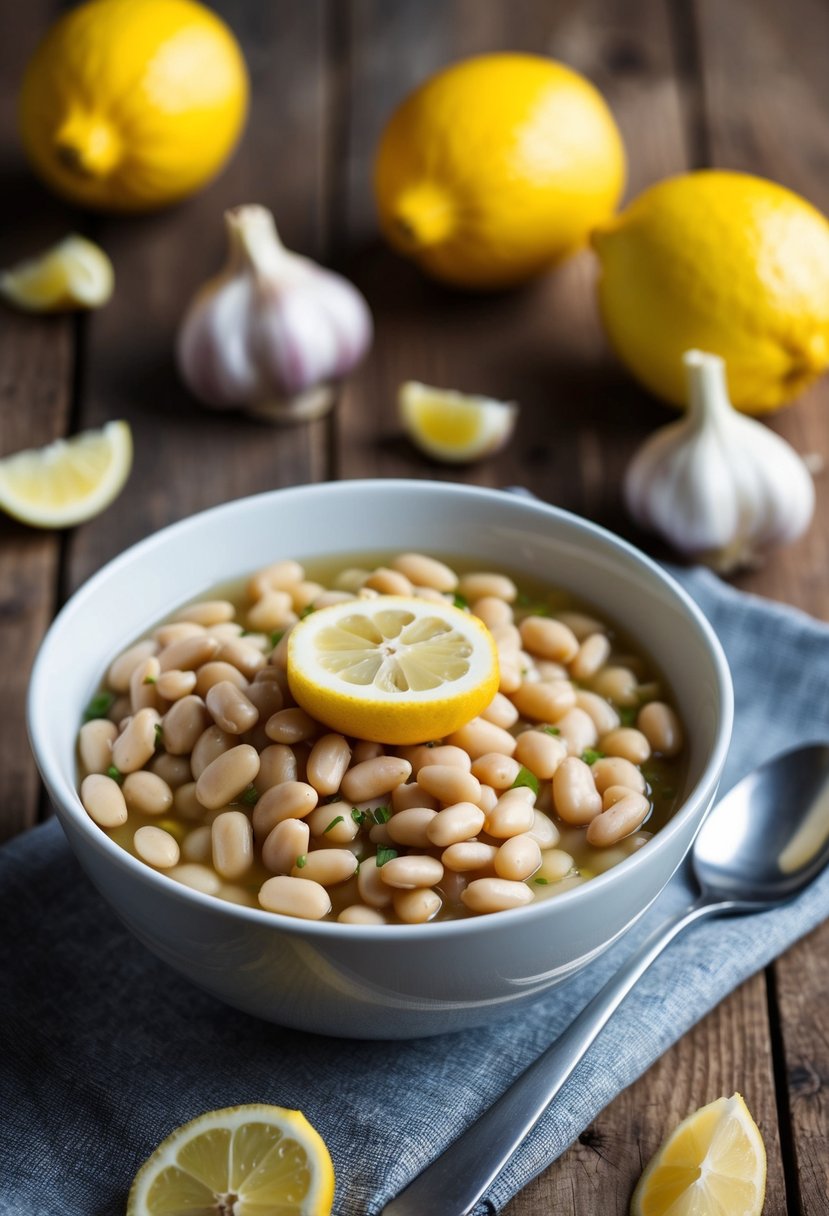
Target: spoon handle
(453, 1183)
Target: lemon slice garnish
(454, 427)
(713, 1163)
(392, 669)
(76, 273)
(240, 1161)
(67, 481)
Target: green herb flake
(276, 637)
(334, 823)
(385, 854)
(115, 773)
(382, 814)
(591, 754)
(627, 715)
(460, 601)
(302, 861)
(159, 734)
(358, 816)
(542, 882)
(551, 730)
(99, 706)
(150, 680)
(306, 611)
(525, 777)
(250, 796)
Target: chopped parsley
(250, 796)
(460, 601)
(382, 814)
(627, 714)
(159, 734)
(306, 611)
(150, 680)
(99, 706)
(525, 777)
(591, 754)
(276, 637)
(302, 861)
(358, 816)
(551, 730)
(334, 823)
(385, 854)
(542, 882)
(115, 773)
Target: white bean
(232, 840)
(103, 800)
(495, 895)
(157, 847)
(291, 896)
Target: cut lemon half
(714, 1164)
(252, 1160)
(392, 669)
(76, 273)
(67, 481)
(454, 427)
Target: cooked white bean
(232, 840)
(544, 700)
(614, 794)
(614, 770)
(332, 597)
(188, 654)
(230, 708)
(291, 896)
(197, 877)
(286, 841)
(174, 684)
(103, 800)
(304, 594)
(214, 672)
(540, 752)
(423, 571)
(574, 792)
(174, 770)
(364, 749)
(618, 684)
(206, 612)
(495, 895)
(277, 763)
(418, 906)
(510, 676)
(211, 743)
(496, 769)
(227, 776)
(278, 576)
(183, 724)
(462, 821)
(147, 793)
(266, 693)
(291, 726)
(174, 631)
(137, 741)
(601, 711)
(507, 639)
(327, 763)
(326, 866)
(186, 804)
(479, 737)
(242, 655)
(423, 755)
(592, 654)
(492, 611)
(449, 784)
(95, 740)
(513, 814)
(555, 865)
(661, 727)
(477, 586)
(374, 777)
(581, 624)
(501, 712)
(274, 610)
(361, 914)
(122, 667)
(388, 582)
(409, 827)
(624, 817)
(549, 639)
(487, 798)
(290, 800)
(373, 891)
(197, 845)
(543, 831)
(157, 847)
(518, 858)
(409, 795)
(143, 693)
(468, 855)
(626, 742)
(577, 730)
(333, 822)
(414, 870)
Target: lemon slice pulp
(454, 427)
(67, 481)
(713, 1164)
(393, 669)
(76, 273)
(252, 1160)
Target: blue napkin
(105, 1050)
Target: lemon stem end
(88, 145)
(423, 216)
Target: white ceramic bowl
(355, 980)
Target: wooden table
(692, 83)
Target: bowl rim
(67, 800)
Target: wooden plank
(766, 96)
(36, 358)
(726, 1053)
(188, 458)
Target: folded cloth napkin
(105, 1050)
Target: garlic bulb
(718, 485)
(274, 332)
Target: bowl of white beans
(354, 886)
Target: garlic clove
(274, 332)
(718, 485)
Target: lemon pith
(393, 669)
(133, 104)
(713, 1163)
(721, 262)
(496, 168)
(452, 426)
(75, 273)
(242, 1159)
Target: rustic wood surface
(693, 83)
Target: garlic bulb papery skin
(719, 486)
(274, 332)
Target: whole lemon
(129, 105)
(722, 262)
(496, 168)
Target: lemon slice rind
(75, 273)
(453, 427)
(394, 669)
(256, 1157)
(68, 481)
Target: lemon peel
(452, 427)
(394, 669)
(266, 1155)
(714, 1162)
(74, 273)
(68, 481)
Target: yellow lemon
(256, 1158)
(714, 1163)
(68, 481)
(75, 273)
(393, 669)
(497, 168)
(721, 262)
(129, 105)
(454, 427)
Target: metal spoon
(761, 845)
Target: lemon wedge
(713, 1164)
(392, 669)
(68, 481)
(243, 1160)
(76, 273)
(454, 427)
